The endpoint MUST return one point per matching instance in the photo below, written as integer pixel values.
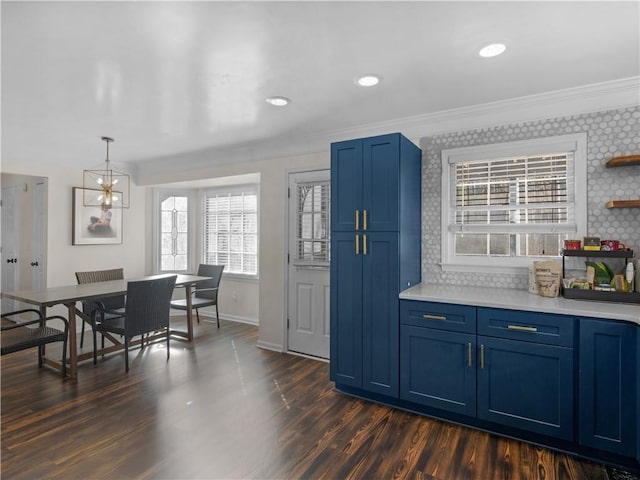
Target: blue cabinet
(526, 385)
(375, 253)
(608, 382)
(525, 371)
(438, 369)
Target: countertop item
(520, 300)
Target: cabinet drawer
(535, 327)
(442, 316)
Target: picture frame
(86, 227)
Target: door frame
(285, 334)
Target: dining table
(69, 295)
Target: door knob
(34, 264)
(12, 260)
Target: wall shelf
(621, 162)
(626, 160)
(623, 204)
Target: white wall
(273, 184)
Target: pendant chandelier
(106, 187)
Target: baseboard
(209, 317)
(270, 346)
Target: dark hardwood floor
(222, 408)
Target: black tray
(599, 253)
(599, 296)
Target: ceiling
(167, 79)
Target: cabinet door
(526, 385)
(380, 307)
(346, 310)
(438, 369)
(346, 185)
(381, 178)
(607, 385)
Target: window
(313, 223)
(505, 205)
(174, 233)
(231, 229)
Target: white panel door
(9, 245)
(308, 263)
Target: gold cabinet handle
(469, 353)
(364, 244)
(481, 356)
(357, 244)
(364, 220)
(522, 329)
(433, 317)
(357, 219)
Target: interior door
(308, 309)
(24, 226)
(9, 245)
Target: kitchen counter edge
(513, 299)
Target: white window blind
(529, 194)
(231, 229)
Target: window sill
(242, 278)
(522, 269)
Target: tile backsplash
(609, 134)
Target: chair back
(204, 289)
(110, 303)
(147, 307)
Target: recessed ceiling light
(492, 50)
(278, 101)
(368, 80)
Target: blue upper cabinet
(375, 253)
(381, 183)
(346, 185)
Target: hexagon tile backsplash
(609, 134)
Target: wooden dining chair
(146, 310)
(205, 293)
(109, 305)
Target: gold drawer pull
(357, 219)
(433, 317)
(522, 329)
(357, 244)
(481, 356)
(364, 244)
(365, 220)
(469, 353)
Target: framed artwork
(95, 225)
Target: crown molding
(596, 97)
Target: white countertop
(521, 300)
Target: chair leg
(95, 347)
(197, 315)
(126, 353)
(82, 335)
(64, 357)
(217, 316)
(168, 335)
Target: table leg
(189, 314)
(73, 341)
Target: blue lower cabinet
(438, 369)
(607, 384)
(346, 311)
(525, 385)
(380, 324)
